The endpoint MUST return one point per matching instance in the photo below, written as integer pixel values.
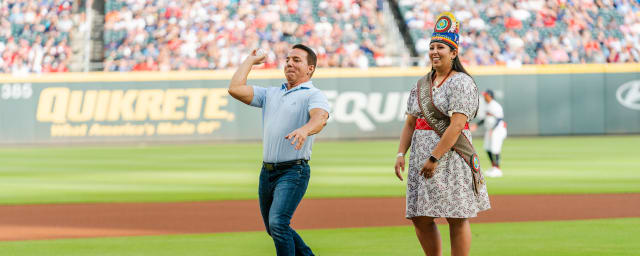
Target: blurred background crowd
(41, 36)
(513, 33)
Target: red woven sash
(422, 124)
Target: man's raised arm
(238, 86)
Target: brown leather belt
(283, 165)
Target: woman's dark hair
(457, 65)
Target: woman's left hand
(429, 169)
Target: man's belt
(422, 124)
(283, 165)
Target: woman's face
(441, 55)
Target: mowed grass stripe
(532, 165)
(568, 238)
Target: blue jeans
(280, 192)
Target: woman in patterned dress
(440, 182)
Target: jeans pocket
(300, 173)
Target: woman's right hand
(399, 166)
(429, 169)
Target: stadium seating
(513, 33)
(34, 36)
(37, 36)
(192, 35)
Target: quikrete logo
(628, 95)
(62, 105)
(367, 110)
(132, 112)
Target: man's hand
(257, 57)
(237, 86)
(298, 137)
(429, 169)
(399, 166)
(317, 121)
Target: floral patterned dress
(449, 193)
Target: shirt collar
(305, 85)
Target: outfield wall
(195, 106)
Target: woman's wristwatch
(433, 159)
(399, 155)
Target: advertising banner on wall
(194, 107)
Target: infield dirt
(58, 221)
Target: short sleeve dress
(449, 193)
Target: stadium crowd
(34, 35)
(167, 35)
(513, 33)
(216, 34)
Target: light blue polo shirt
(284, 111)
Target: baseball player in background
(495, 131)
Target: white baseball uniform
(495, 127)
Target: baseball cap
(488, 91)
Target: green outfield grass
(594, 237)
(535, 165)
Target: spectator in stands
(197, 34)
(215, 34)
(34, 36)
(536, 32)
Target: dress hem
(453, 217)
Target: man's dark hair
(490, 92)
(311, 56)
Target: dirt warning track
(56, 221)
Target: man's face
(297, 68)
(487, 97)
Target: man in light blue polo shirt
(291, 114)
